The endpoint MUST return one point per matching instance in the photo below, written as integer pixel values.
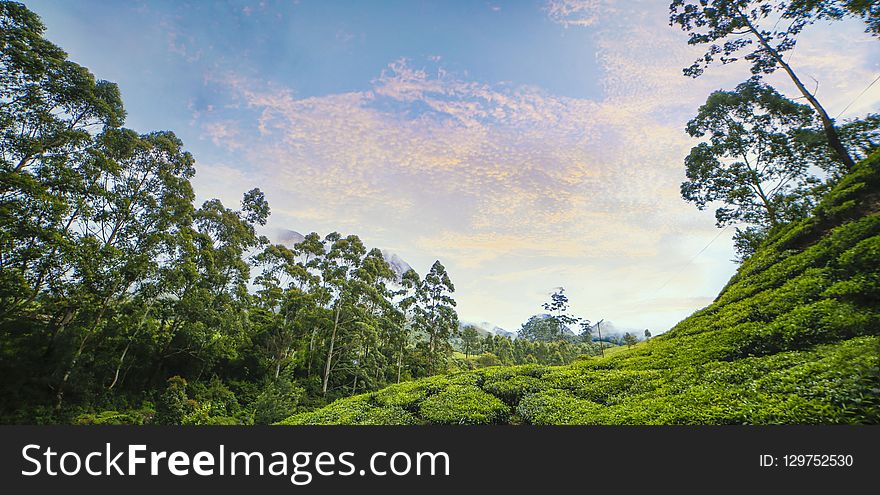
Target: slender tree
(558, 308)
(432, 308)
(470, 338)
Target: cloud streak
(508, 183)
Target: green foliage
(792, 338)
(173, 404)
(140, 416)
(765, 30)
(117, 291)
(279, 400)
(463, 404)
(112, 279)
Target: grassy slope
(794, 337)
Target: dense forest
(123, 301)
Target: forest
(122, 301)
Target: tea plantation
(794, 337)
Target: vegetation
(765, 30)
(124, 302)
(793, 338)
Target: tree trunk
(59, 396)
(128, 344)
(330, 352)
(827, 123)
(399, 363)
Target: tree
(867, 10)
(734, 26)
(647, 334)
(630, 339)
(279, 399)
(50, 111)
(586, 334)
(338, 268)
(139, 197)
(432, 308)
(539, 328)
(470, 339)
(755, 159)
(558, 308)
(286, 299)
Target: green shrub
(557, 407)
(279, 400)
(346, 411)
(512, 389)
(463, 404)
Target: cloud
(224, 134)
(511, 186)
(574, 12)
(466, 172)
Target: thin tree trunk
(330, 352)
(399, 362)
(827, 123)
(128, 345)
(59, 396)
(311, 352)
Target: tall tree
(470, 339)
(735, 26)
(755, 159)
(432, 308)
(140, 196)
(558, 308)
(50, 111)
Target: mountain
(289, 238)
(398, 265)
(487, 328)
(794, 337)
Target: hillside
(794, 337)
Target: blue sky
(527, 145)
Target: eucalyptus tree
(432, 309)
(470, 339)
(287, 300)
(558, 308)
(207, 299)
(378, 319)
(141, 195)
(50, 111)
(337, 269)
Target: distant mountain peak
(289, 238)
(487, 327)
(397, 264)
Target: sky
(527, 145)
